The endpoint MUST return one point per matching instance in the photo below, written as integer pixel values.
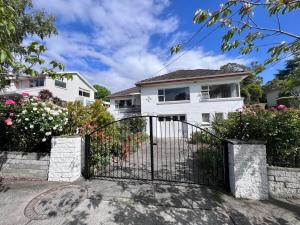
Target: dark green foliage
(279, 128)
(102, 92)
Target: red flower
(25, 94)
(10, 102)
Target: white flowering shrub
(29, 124)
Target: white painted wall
(70, 93)
(193, 108)
(121, 113)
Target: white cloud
(117, 36)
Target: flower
(281, 107)
(25, 94)
(34, 109)
(48, 133)
(12, 114)
(8, 121)
(50, 118)
(10, 102)
(31, 126)
(44, 139)
(26, 119)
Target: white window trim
(219, 99)
(171, 102)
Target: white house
(194, 96)
(76, 89)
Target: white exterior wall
(70, 93)
(192, 108)
(121, 113)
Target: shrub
(279, 127)
(29, 124)
(86, 119)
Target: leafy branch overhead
(19, 23)
(243, 32)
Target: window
(219, 116)
(172, 118)
(173, 94)
(84, 93)
(61, 84)
(36, 83)
(205, 118)
(220, 91)
(121, 104)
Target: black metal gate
(156, 148)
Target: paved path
(106, 202)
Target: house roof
(183, 75)
(82, 78)
(179, 76)
(126, 92)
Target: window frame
(161, 93)
(84, 93)
(205, 122)
(36, 82)
(206, 95)
(60, 82)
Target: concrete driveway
(132, 203)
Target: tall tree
(102, 92)
(19, 22)
(243, 32)
(251, 88)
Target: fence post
(87, 148)
(226, 166)
(151, 147)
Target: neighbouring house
(194, 96)
(273, 94)
(76, 89)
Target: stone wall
(248, 170)
(24, 165)
(66, 158)
(284, 182)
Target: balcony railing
(131, 109)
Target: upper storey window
(220, 91)
(173, 94)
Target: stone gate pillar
(248, 169)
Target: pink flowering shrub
(27, 124)
(278, 126)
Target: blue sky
(116, 43)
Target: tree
(287, 80)
(243, 32)
(251, 88)
(19, 21)
(102, 92)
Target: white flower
(24, 111)
(34, 109)
(44, 114)
(47, 109)
(55, 127)
(25, 128)
(35, 104)
(44, 139)
(31, 126)
(42, 129)
(48, 133)
(50, 118)
(26, 119)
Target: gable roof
(81, 77)
(126, 92)
(183, 75)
